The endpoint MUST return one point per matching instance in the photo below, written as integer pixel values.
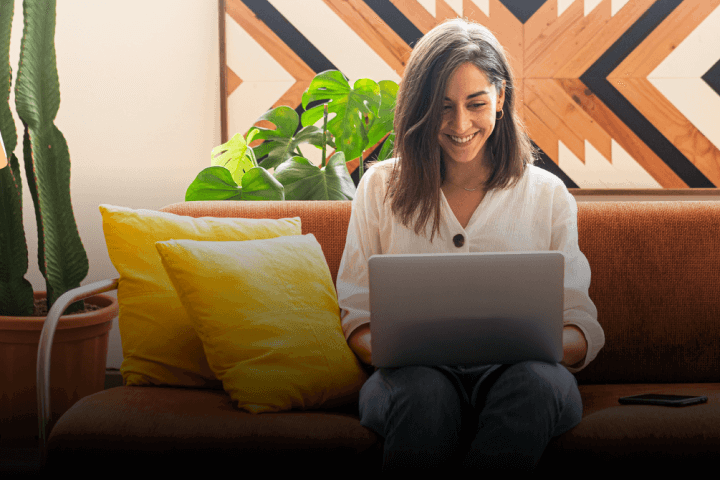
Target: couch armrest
(42, 380)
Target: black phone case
(666, 403)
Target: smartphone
(658, 399)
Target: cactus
(62, 258)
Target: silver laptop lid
(466, 308)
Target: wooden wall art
(620, 96)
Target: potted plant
(82, 336)
(363, 118)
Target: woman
(465, 162)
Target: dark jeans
(477, 418)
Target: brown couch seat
(199, 427)
(193, 427)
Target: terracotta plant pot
(79, 358)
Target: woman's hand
(574, 346)
(359, 343)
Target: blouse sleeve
(363, 241)
(579, 308)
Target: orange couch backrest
(655, 279)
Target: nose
(460, 120)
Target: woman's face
(469, 110)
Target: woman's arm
(359, 342)
(574, 346)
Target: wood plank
(293, 96)
(573, 116)
(374, 31)
(543, 18)
(547, 53)
(267, 39)
(416, 13)
(233, 81)
(542, 135)
(573, 32)
(674, 126)
(471, 10)
(597, 45)
(665, 38)
(621, 133)
(222, 40)
(443, 11)
(535, 101)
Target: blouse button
(458, 240)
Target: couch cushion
(655, 271)
(160, 346)
(268, 316)
(326, 219)
(198, 430)
(649, 436)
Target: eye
(476, 105)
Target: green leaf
(61, 256)
(280, 144)
(259, 184)
(355, 109)
(16, 293)
(37, 88)
(387, 149)
(304, 181)
(384, 122)
(213, 183)
(233, 155)
(7, 124)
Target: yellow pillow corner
(160, 345)
(267, 314)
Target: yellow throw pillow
(160, 346)
(269, 320)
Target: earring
(502, 114)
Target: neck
(467, 176)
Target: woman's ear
(501, 97)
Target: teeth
(463, 139)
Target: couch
(656, 284)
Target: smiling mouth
(462, 140)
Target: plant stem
(324, 145)
(299, 151)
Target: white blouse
(537, 213)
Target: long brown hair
(420, 170)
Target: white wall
(140, 109)
(139, 83)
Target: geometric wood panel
(616, 94)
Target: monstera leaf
(282, 144)
(235, 156)
(384, 122)
(355, 109)
(304, 181)
(216, 183)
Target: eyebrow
(472, 95)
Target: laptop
(466, 308)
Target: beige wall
(139, 83)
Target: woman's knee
(551, 380)
(415, 392)
(552, 385)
